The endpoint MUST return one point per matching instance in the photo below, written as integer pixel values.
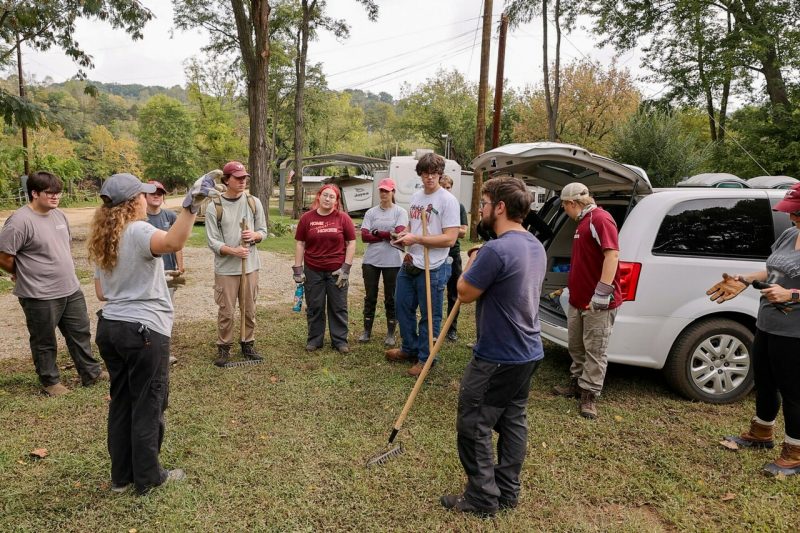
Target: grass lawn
(281, 446)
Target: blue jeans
(410, 295)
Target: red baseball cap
(790, 202)
(235, 169)
(387, 184)
(159, 186)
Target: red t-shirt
(325, 238)
(586, 264)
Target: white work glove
(342, 275)
(298, 275)
(601, 298)
(203, 187)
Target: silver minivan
(675, 243)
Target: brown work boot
(416, 370)
(397, 355)
(56, 390)
(223, 354)
(587, 405)
(570, 390)
(787, 464)
(102, 376)
(757, 437)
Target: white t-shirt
(382, 254)
(443, 212)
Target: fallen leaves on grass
(39, 453)
(729, 444)
(728, 496)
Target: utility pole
(480, 128)
(26, 163)
(498, 84)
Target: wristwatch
(795, 295)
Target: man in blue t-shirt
(506, 280)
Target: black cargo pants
(138, 361)
(493, 397)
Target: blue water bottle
(298, 298)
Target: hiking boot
(787, 464)
(249, 351)
(397, 355)
(343, 348)
(452, 335)
(587, 405)
(416, 370)
(570, 390)
(223, 354)
(457, 502)
(365, 336)
(390, 327)
(102, 376)
(759, 436)
(56, 390)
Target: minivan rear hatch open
(553, 165)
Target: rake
(247, 362)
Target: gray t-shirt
(164, 220)
(382, 254)
(783, 268)
(136, 290)
(231, 232)
(443, 212)
(40, 244)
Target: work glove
(202, 188)
(385, 235)
(726, 289)
(601, 298)
(473, 250)
(342, 275)
(298, 275)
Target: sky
(408, 43)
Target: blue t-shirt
(510, 271)
(163, 221)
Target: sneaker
(457, 502)
(452, 335)
(56, 390)
(397, 355)
(119, 489)
(506, 503)
(343, 348)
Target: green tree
(339, 129)
(103, 154)
(43, 24)
(654, 140)
(166, 141)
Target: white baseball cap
(573, 191)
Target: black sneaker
(457, 502)
(452, 335)
(506, 503)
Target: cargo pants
(587, 337)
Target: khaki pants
(226, 292)
(588, 333)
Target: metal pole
(498, 84)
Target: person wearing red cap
(381, 258)
(231, 244)
(776, 347)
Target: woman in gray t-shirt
(381, 258)
(776, 348)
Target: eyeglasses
(51, 194)
(484, 202)
(328, 196)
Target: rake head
(246, 362)
(385, 456)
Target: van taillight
(629, 279)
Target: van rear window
(716, 227)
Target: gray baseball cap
(123, 187)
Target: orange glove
(726, 289)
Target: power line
(477, 27)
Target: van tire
(712, 361)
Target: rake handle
(243, 288)
(427, 282)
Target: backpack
(251, 202)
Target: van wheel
(712, 361)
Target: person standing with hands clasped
(776, 347)
(594, 296)
(325, 245)
(380, 224)
(135, 324)
(441, 209)
(232, 246)
(505, 277)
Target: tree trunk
(299, 102)
(253, 36)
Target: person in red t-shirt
(326, 244)
(594, 295)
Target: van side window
(716, 227)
